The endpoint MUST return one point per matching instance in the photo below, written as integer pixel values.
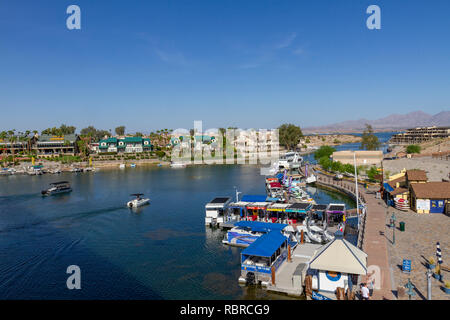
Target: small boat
(138, 202)
(57, 188)
(178, 165)
(133, 165)
(122, 166)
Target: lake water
(383, 137)
(162, 251)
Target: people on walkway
(365, 292)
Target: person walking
(370, 286)
(364, 292)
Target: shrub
(413, 148)
(324, 151)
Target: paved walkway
(417, 243)
(374, 238)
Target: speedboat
(138, 202)
(122, 166)
(57, 188)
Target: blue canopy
(388, 187)
(266, 245)
(261, 226)
(254, 198)
(279, 176)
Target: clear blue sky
(163, 64)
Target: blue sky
(163, 64)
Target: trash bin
(402, 226)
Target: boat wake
(72, 216)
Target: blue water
(162, 251)
(383, 137)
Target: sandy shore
(436, 169)
(330, 140)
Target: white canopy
(340, 256)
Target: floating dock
(290, 277)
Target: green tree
(413, 148)
(120, 131)
(289, 135)
(324, 151)
(369, 140)
(372, 172)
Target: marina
(92, 227)
(284, 237)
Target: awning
(254, 198)
(275, 185)
(387, 187)
(266, 245)
(261, 226)
(298, 207)
(278, 207)
(340, 256)
(258, 205)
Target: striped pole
(438, 253)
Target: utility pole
(356, 185)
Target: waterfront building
(49, 145)
(431, 197)
(337, 265)
(419, 135)
(363, 157)
(44, 145)
(125, 145)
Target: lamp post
(429, 274)
(410, 288)
(393, 219)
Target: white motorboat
(291, 160)
(138, 202)
(122, 166)
(177, 165)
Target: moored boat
(57, 188)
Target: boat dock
(290, 277)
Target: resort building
(44, 145)
(419, 135)
(363, 157)
(48, 145)
(125, 145)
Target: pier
(290, 277)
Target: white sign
(422, 204)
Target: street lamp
(393, 219)
(410, 288)
(429, 274)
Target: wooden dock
(290, 277)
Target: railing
(350, 189)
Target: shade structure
(254, 198)
(259, 226)
(340, 255)
(266, 245)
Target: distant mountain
(392, 122)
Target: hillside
(393, 122)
